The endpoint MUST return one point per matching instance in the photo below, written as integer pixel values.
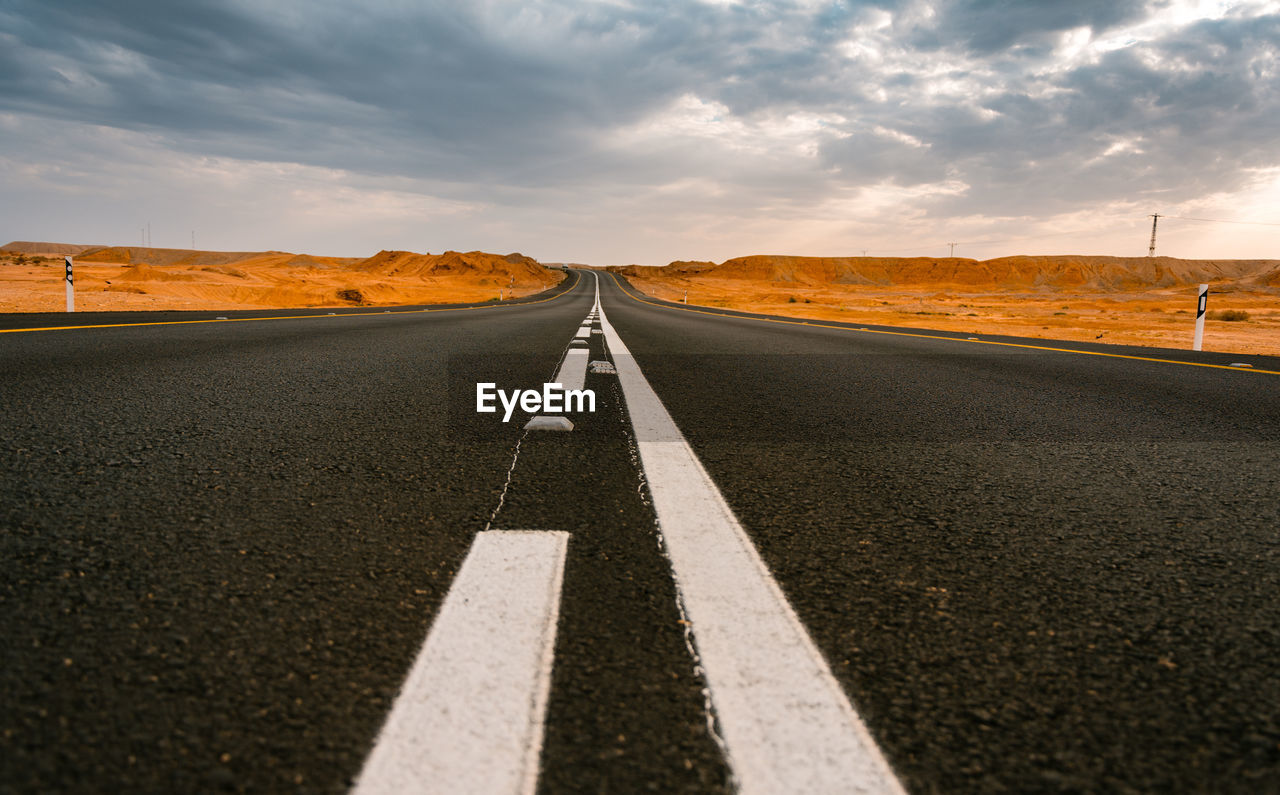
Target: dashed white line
(470, 714)
(572, 374)
(573, 371)
(786, 724)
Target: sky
(611, 132)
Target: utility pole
(953, 248)
(1151, 250)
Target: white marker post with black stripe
(71, 290)
(1200, 307)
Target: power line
(1092, 230)
(1221, 221)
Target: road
(1026, 570)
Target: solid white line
(469, 716)
(785, 721)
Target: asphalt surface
(223, 544)
(1033, 571)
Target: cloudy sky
(610, 131)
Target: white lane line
(572, 374)
(573, 370)
(469, 716)
(786, 723)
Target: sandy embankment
(1125, 300)
(134, 278)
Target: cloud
(989, 27)
(550, 115)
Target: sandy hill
(46, 249)
(1121, 300)
(479, 267)
(487, 268)
(174, 257)
(134, 277)
(1094, 273)
(145, 273)
(691, 266)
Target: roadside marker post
(1200, 307)
(71, 290)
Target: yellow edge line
(811, 324)
(296, 317)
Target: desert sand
(1124, 300)
(135, 278)
(1147, 301)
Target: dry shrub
(1229, 315)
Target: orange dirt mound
(1020, 272)
(125, 278)
(146, 273)
(48, 249)
(170, 257)
(488, 268)
(1124, 300)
